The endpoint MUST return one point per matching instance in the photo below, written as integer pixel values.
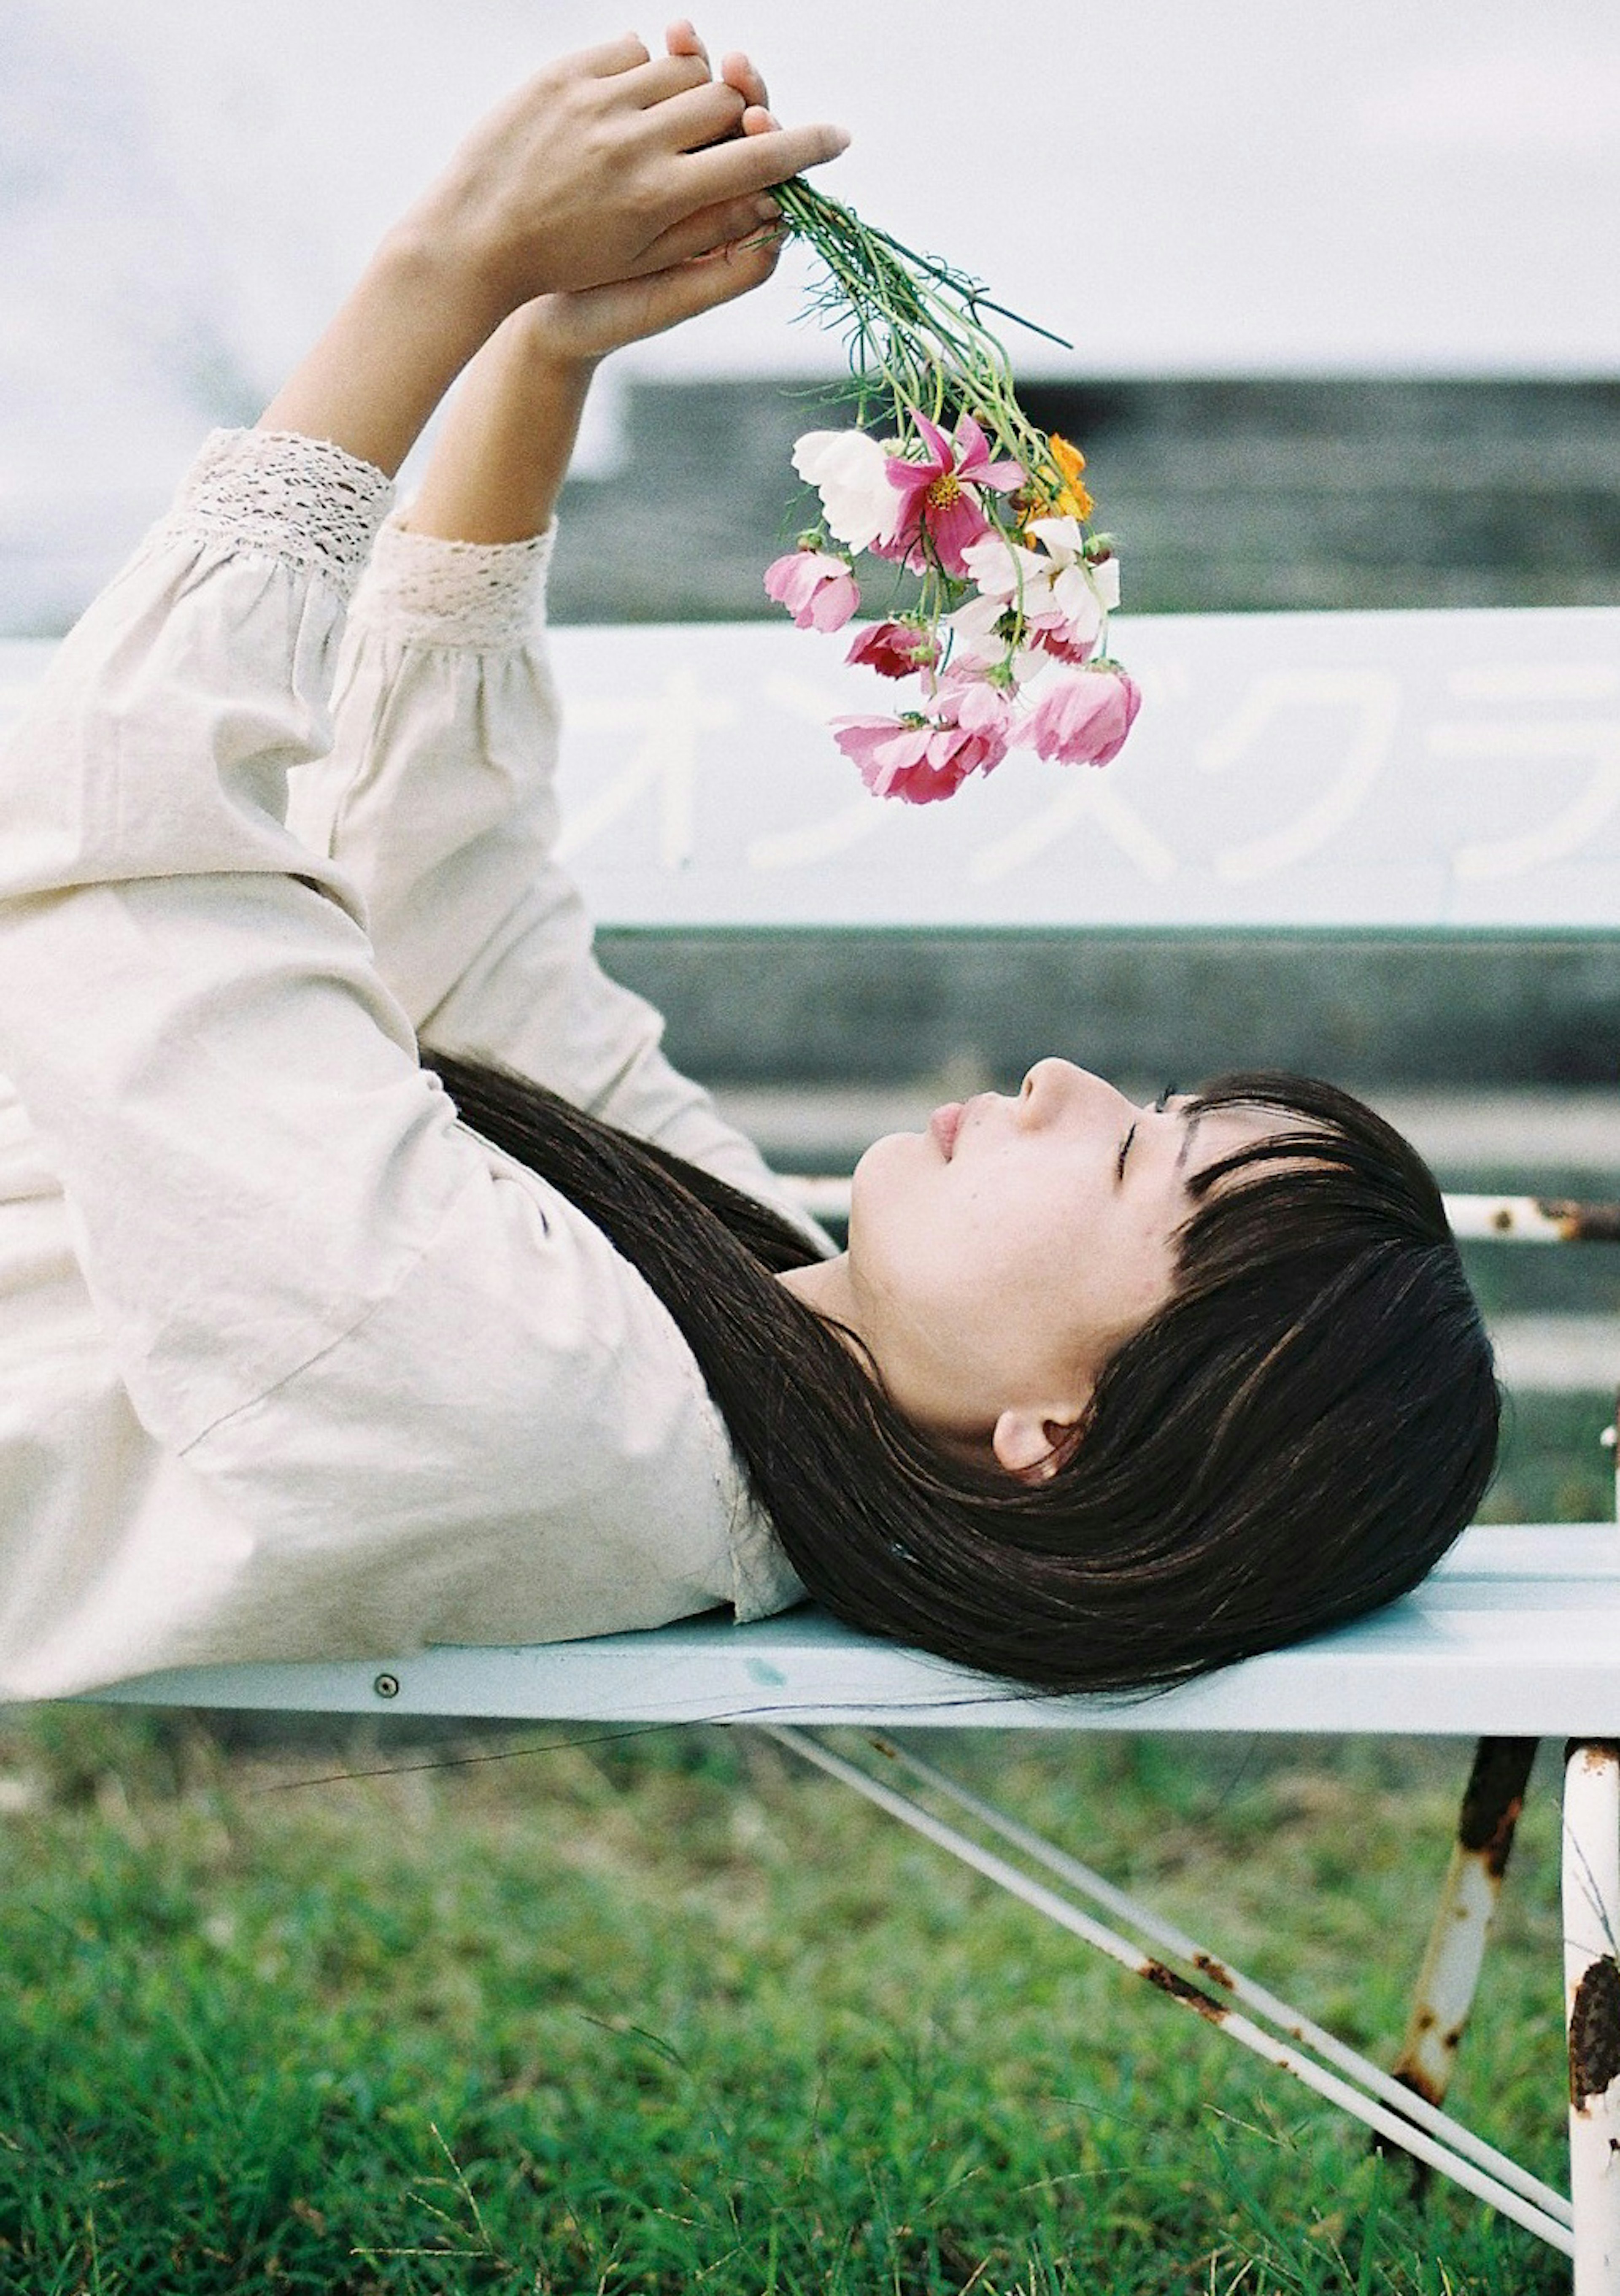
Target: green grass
(665, 2012)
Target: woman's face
(999, 1260)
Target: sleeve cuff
(483, 596)
(302, 501)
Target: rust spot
(1217, 1972)
(1492, 1800)
(1179, 1989)
(1595, 1753)
(1594, 2032)
(1502, 1221)
(1578, 1223)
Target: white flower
(976, 642)
(1062, 597)
(976, 637)
(1064, 539)
(850, 472)
(1001, 569)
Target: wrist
(538, 336)
(420, 274)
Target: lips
(944, 1125)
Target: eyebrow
(1194, 1117)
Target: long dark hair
(1296, 1437)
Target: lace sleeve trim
(479, 595)
(301, 500)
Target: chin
(887, 1160)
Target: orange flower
(1071, 501)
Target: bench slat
(1517, 1634)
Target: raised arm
(609, 168)
(437, 796)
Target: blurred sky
(1261, 186)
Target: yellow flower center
(945, 491)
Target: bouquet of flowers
(1006, 637)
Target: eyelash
(1159, 1106)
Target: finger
(665, 76)
(708, 281)
(753, 163)
(612, 57)
(743, 220)
(681, 39)
(758, 121)
(686, 123)
(740, 73)
(734, 269)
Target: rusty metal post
(1446, 1982)
(1591, 1996)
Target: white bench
(1423, 773)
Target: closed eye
(1159, 1106)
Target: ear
(1034, 1444)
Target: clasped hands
(615, 195)
(618, 193)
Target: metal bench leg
(1491, 1805)
(1592, 1996)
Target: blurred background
(1339, 285)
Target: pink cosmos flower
(1081, 718)
(975, 705)
(817, 589)
(921, 759)
(893, 649)
(939, 512)
(1063, 640)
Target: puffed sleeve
(438, 800)
(431, 1400)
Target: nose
(1054, 1089)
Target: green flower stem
(914, 337)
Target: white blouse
(292, 1363)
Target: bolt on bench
(1422, 775)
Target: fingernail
(767, 211)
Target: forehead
(1213, 1133)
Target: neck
(824, 1285)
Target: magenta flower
(940, 516)
(1081, 718)
(893, 649)
(817, 589)
(921, 759)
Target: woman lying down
(318, 1343)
